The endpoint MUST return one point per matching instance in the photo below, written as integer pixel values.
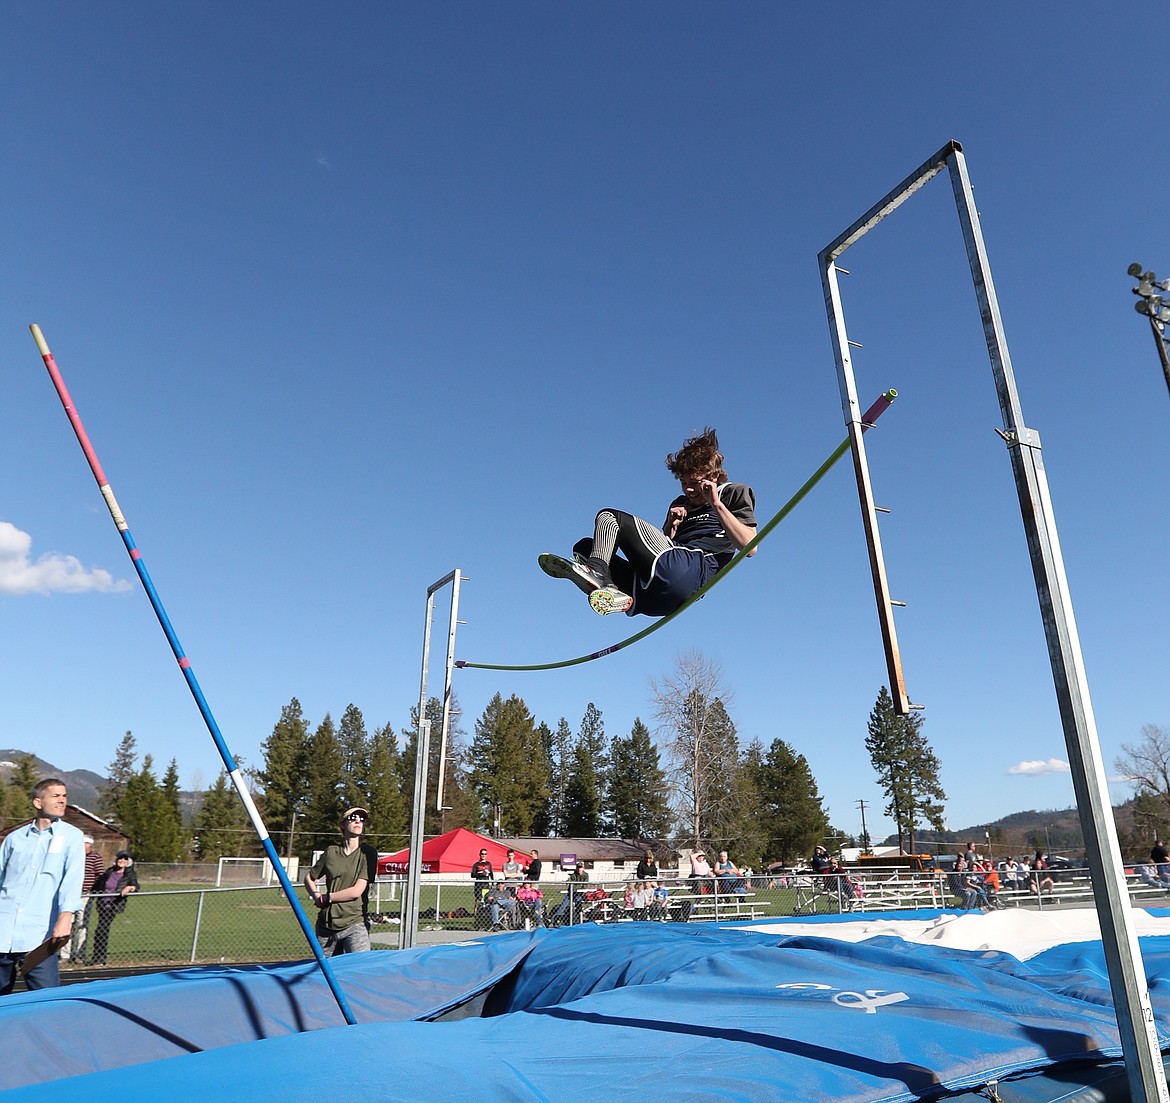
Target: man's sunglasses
(355, 817)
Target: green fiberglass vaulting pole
(868, 418)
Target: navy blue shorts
(678, 573)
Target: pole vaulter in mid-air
(705, 526)
(736, 507)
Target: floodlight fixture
(1154, 307)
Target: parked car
(1063, 868)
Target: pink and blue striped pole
(185, 666)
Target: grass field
(187, 924)
(180, 923)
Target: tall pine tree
(509, 772)
(790, 809)
(174, 807)
(637, 786)
(389, 826)
(460, 804)
(561, 761)
(542, 824)
(121, 770)
(324, 799)
(907, 769)
(221, 826)
(586, 806)
(282, 777)
(355, 750)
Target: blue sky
(349, 298)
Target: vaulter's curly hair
(698, 456)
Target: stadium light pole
(1156, 308)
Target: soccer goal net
(235, 872)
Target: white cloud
(321, 160)
(52, 573)
(1032, 767)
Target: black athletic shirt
(701, 528)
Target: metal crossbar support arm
(1143, 1062)
(408, 926)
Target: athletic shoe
(609, 599)
(576, 570)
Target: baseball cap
(350, 811)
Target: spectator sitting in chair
(960, 884)
(531, 901)
(701, 871)
(1023, 874)
(1009, 868)
(641, 900)
(990, 883)
(648, 867)
(499, 898)
(1041, 881)
(728, 876)
(834, 878)
(1149, 876)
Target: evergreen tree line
(523, 777)
(698, 785)
(517, 777)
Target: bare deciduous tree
(1147, 764)
(690, 706)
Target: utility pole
(867, 849)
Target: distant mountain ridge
(84, 785)
(1055, 830)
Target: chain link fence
(171, 925)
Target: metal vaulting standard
(408, 928)
(1143, 1061)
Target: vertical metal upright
(853, 422)
(1143, 1060)
(449, 671)
(408, 926)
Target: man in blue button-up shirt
(41, 869)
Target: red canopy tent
(455, 852)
